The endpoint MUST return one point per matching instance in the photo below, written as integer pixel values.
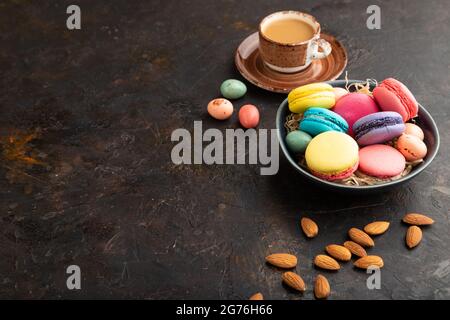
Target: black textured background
(103, 102)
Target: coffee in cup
(288, 30)
(290, 40)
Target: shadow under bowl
(424, 120)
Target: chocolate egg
(411, 147)
(220, 108)
(233, 89)
(415, 130)
(297, 141)
(249, 116)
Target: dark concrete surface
(85, 170)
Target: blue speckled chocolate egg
(233, 89)
(297, 141)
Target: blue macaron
(318, 120)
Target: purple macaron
(378, 127)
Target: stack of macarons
(340, 132)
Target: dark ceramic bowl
(424, 120)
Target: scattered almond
(417, 219)
(326, 262)
(413, 236)
(257, 296)
(355, 248)
(282, 260)
(338, 252)
(321, 287)
(376, 228)
(367, 261)
(360, 237)
(294, 281)
(309, 227)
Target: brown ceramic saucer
(250, 65)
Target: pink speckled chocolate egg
(220, 109)
(249, 116)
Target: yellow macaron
(332, 155)
(311, 95)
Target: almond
(355, 248)
(326, 262)
(282, 260)
(321, 287)
(294, 281)
(376, 228)
(367, 261)
(309, 227)
(413, 236)
(338, 252)
(257, 296)
(417, 219)
(360, 237)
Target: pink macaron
(392, 95)
(414, 130)
(354, 106)
(412, 147)
(381, 161)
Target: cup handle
(324, 45)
